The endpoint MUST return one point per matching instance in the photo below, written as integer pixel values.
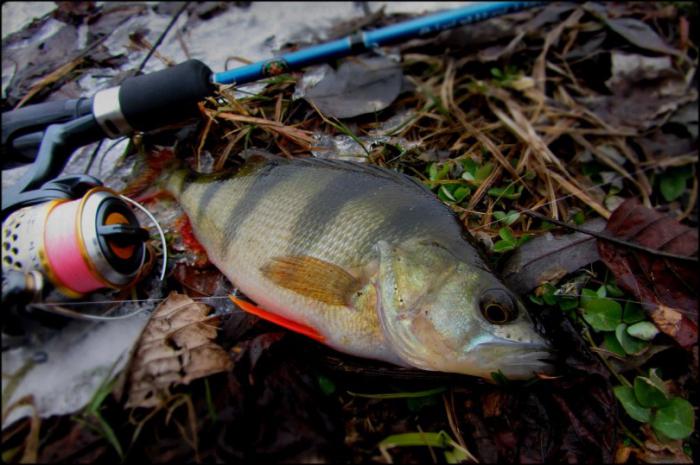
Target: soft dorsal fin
(365, 168)
(313, 278)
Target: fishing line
(641, 170)
(160, 299)
(160, 232)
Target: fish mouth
(519, 360)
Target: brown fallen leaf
(548, 258)
(656, 451)
(176, 347)
(667, 288)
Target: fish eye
(497, 306)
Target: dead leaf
(644, 91)
(360, 86)
(547, 257)
(667, 288)
(634, 67)
(656, 451)
(634, 30)
(176, 347)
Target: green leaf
(210, 402)
(497, 73)
(579, 218)
(613, 290)
(435, 173)
(632, 345)
(632, 313)
(508, 192)
(611, 343)
(524, 238)
(602, 314)
(500, 379)
(483, 172)
(649, 393)
(461, 193)
(535, 299)
(503, 246)
(108, 433)
(602, 292)
(676, 420)
(592, 169)
(506, 234)
(400, 395)
(673, 182)
(470, 167)
(629, 402)
(548, 294)
(508, 218)
(326, 384)
(568, 303)
(454, 453)
(644, 330)
(445, 193)
(413, 439)
(587, 295)
(432, 171)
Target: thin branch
(612, 239)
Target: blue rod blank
(363, 41)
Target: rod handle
(22, 128)
(164, 97)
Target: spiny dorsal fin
(313, 278)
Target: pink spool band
(63, 249)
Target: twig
(157, 43)
(612, 239)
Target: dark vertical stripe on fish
(207, 196)
(261, 184)
(322, 210)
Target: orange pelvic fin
(278, 320)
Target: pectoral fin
(313, 278)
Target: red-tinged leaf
(202, 282)
(667, 288)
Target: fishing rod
(74, 235)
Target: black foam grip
(166, 96)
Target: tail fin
(154, 175)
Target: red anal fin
(278, 320)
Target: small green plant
(508, 218)
(648, 401)
(326, 384)
(92, 418)
(506, 76)
(508, 241)
(475, 174)
(509, 192)
(450, 193)
(453, 452)
(626, 332)
(672, 183)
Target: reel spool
(80, 245)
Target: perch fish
(364, 259)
